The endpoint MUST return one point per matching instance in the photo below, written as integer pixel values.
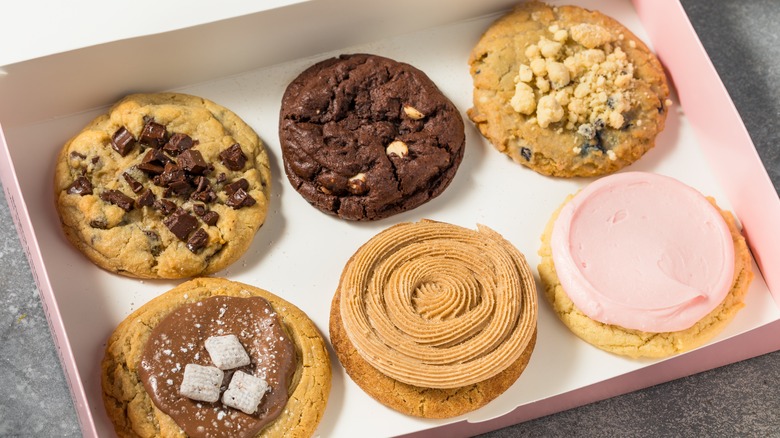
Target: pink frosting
(643, 251)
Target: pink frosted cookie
(643, 265)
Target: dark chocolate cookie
(365, 137)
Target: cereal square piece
(244, 392)
(227, 352)
(201, 383)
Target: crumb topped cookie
(567, 91)
(163, 186)
(216, 358)
(365, 137)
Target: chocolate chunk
(233, 157)
(81, 186)
(100, 224)
(192, 162)
(198, 240)
(203, 191)
(205, 196)
(181, 223)
(95, 159)
(181, 188)
(526, 153)
(122, 141)
(135, 186)
(221, 177)
(199, 209)
(164, 206)
(153, 162)
(210, 217)
(240, 199)
(235, 185)
(207, 216)
(155, 245)
(171, 173)
(118, 198)
(145, 199)
(153, 135)
(178, 143)
(74, 155)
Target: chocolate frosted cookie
(365, 137)
(216, 358)
(163, 186)
(567, 91)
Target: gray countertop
(742, 399)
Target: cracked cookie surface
(164, 185)
(566, 91)
(365, 137)
(637, 343)
(130, 407)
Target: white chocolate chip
(398, 148)
(413, 113)
(359, 177)
(611, 155)
(357, 184)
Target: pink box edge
(741, 347)
(745, 346)
(20, 216)
(714, 117)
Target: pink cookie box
(240, 62)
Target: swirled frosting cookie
(163, 186)
(435, 320)
(567, 91)
(365, 137)
(216, 358)
(642, 265)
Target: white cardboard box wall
(245, 63)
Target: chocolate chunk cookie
(567, 91)
(163, 186)
(365, 137)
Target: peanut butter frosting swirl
(436, 305)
